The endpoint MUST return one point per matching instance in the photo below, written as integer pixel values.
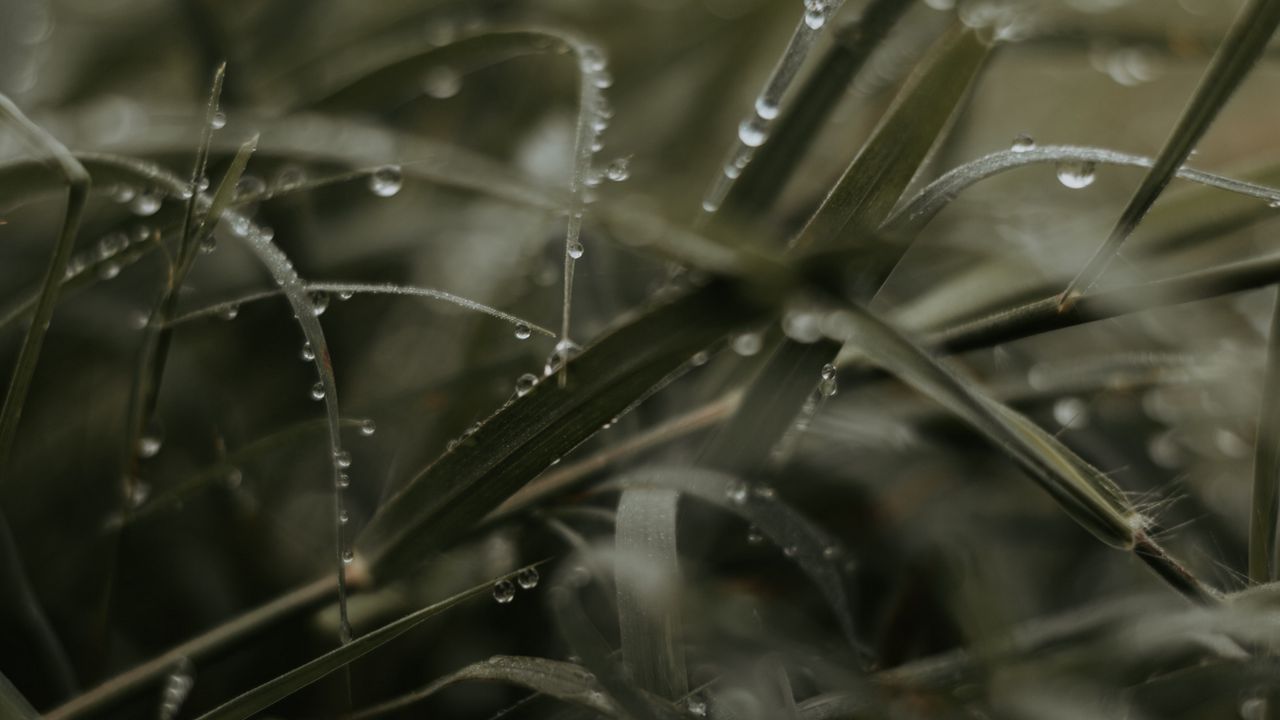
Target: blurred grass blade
(1239, 52)
(25, 625)
(804, 543)
(77, 181)
(1084, 493)
(13, 706)
(535, 430)
(651, 632)
(267, 694)
(564, 681)
(762, 180)
(877, 177)
(1266, 466)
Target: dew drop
(602, 79)
(766, 108)
(619, 169)
(697, 707)
(791, 551)
(250, 186)
(177, 686)
(831, 552)
(317, 391)
(345, 295)
(1023, 143)
(307, 354)
(1071, 412)
(229, 312)
(751, 133)
(522, 331)
(208, 244)
(736, 491)
(815, 19)
(343, 481)
(150, 442)
(528, 578)
(441, 82)
(732, 171)
(342, 459)
(348, 557)
(828, 372)
(504, 591)
(564, 351)
(575, 250)
(592, 59)
(343, 517)
(202, 184)
(386, 180)
(828, 388)
(1076, 175)
(525, 383)
(145, 203)
(218, 121)
(319, 302)
(755, 536)
(123, 193)
(290, 177)
(108, 270)
(747, 344)
(700, 358)
(1230, 444)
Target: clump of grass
(838, 446)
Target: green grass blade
(1266, 467)
(535, 430)
(267, 694)
(877, 177)
(77, 181)
(650, 627)
(564, 681)
(776, 161)
(12, 704)
(1237, 55)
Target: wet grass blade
(1266, 467)
(564, 681)
(763, 179)
(650, 627)
(877, 177)
(77, 180)
(537, 429)
(1239, 52)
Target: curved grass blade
(762, 180)
(1266, 467)
(564, 681)
(267, 694)
(13, 704)
(1085, 494)
(533, 431)
(77, 180)
(1239, 52)
(650, 626)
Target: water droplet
(815, 19)
(290, 177)
(1023, 143)
(343, 481)
(565, 351)
(441, 82)
(348, 557)
(754, 536)
(1071, 412)
(619, 169)
(177, 686)
(151, 441)
(386, 180)
(307, 353)
(229, 312)
(736, 491)
(700, 358)
(522, 331)
(139, 491)
(208, 244)
(525, 383)
(602, 79)
(575, 250)
(317, 391)
(122, 193)
(747, 344)
(108, 270)
(1274, 204)
(250, 186)
(218, 121)
(697, 707)
(528, 578)
(831, 552)
(790, 551)
(319, 302)
(751, 133)
(342, 459)
(145, 203)
(504, 591)
(732, 171)
(828, 388)
(202, 184)
(1076, 175)
(828, 372)
(591, 58)
(345, 295)
(368, 427)
(766, 108)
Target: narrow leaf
(1266, 466)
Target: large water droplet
(307, 354)
(619, 169)
(576, 250)
(528, 578)
(751, 133)
(525, 383)
(145, 203)
(522, 331)
(828, 372)
(348, 557)
(108, 270)
(218, 121)
(317, 391)
(564, 351)
(368, 427)
(319, 302)
(766, 108)
(1076, 175)
(504, 591)
(815, 19)
(342, 459)
(386, 181)
(1023, 143)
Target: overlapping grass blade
(650, 625)
(1237, 55)
(77, 180)
(564, 681)
(1265, 505)
(535, 430)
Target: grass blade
(1239, 52)
(650, 627)
(77, 180)
(1266, 467)
(532, 432)
(561, 680)
(13, 704)
(762, 180)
